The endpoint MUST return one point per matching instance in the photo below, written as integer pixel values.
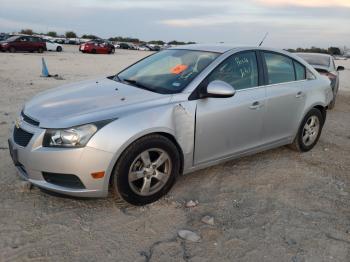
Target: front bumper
(33, 161)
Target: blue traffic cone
(44, 71)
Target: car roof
(223, 48)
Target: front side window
(239, 70)
(168, 71)
(300, 71)
(280, 68)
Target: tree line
(331, 50)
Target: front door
(228, 126)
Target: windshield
(168, 71)
(316, 59)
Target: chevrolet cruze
(174, 112)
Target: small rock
(208, 220)
(3, 123)
(291, 242)
(25, 186)
(189, 235)
(326, 149)
(192, 203)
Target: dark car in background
(3, 36)
(23, 43)
(98, 46)
(126, 46)
(325, 65)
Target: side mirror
(219, 89)
(340, 68)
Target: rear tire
(309, 131)
(146, 170)
(93, 51)
(12, 49)
(40, 50)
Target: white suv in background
(52, 46)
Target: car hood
(89, 101)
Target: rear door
(285, 96)
(228, 126)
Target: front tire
(59, 49)
(146, 170)
(309, 131)
(40, 50)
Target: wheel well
(323, 111)
(172, 139)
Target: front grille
(64, 180)
(21, 137)
(29, 120)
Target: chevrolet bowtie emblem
(18, 122)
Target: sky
(290, 23)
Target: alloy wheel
(149, 172)
(311, 130)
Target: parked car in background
(23, 43)
(325, 65)
(4, 36)
(52, 46)
(72, 41)
(176, 111)
(59, 40)
(155, 48)
(126, 46)
(97, 46)
(144, 48)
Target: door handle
(299, 94)
(255, 105)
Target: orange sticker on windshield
(178, 69)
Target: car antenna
(262, 41)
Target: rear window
(300, 71)
(280, 68)
(316, 59)
(12, 38)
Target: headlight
(72, 137)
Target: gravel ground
(274, 206)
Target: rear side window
(300, 71)
(280, 68)
(239, 70)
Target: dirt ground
(274, 206)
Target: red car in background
(23, 43)
(97, 47)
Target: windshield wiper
(137, 84)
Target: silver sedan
(172, 113)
